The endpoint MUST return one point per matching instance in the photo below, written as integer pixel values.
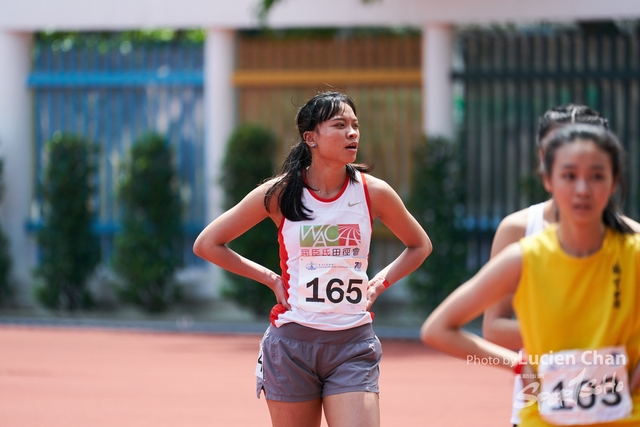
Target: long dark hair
(290, 183)
(610, 144)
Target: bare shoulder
(256, 206)
(271, 204)
(379, 190)
(505, 267)
(511, 229)
(515, 221)
(376, 184)
(267, 184)
(382, 196)
(261, 190)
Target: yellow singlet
(565, 303)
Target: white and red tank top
(324, 260)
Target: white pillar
(16, 150)
(220, 106)
(437, 88)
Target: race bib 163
(584, 386)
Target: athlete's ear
(308, 137)
(546, 181)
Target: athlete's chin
(351, 156)
(583, 213)
(585, 218)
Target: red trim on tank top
(279, 309)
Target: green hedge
(148, 249)
(69, 249)
(247, 162)
(6, 289)
(437, 202)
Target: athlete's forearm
(502, 331)
(406, 263)
(467, 346)
(233, 262)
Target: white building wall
(437, 93)
(16, 150)
(220, 119)
(124, 14)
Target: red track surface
(92, 378)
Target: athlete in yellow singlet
(498, 322)
(590, 302)
(576, 290)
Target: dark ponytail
(610, 144)
(290, 182)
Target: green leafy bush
(69, 249)
(6, 289)
(148, 249)
(437, 201)
(247, 162)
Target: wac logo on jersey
(313, 236)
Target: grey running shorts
(297, 363)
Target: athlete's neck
(324, 181)
(581, 241)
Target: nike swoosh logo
(353, 204)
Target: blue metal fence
(113, 93)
